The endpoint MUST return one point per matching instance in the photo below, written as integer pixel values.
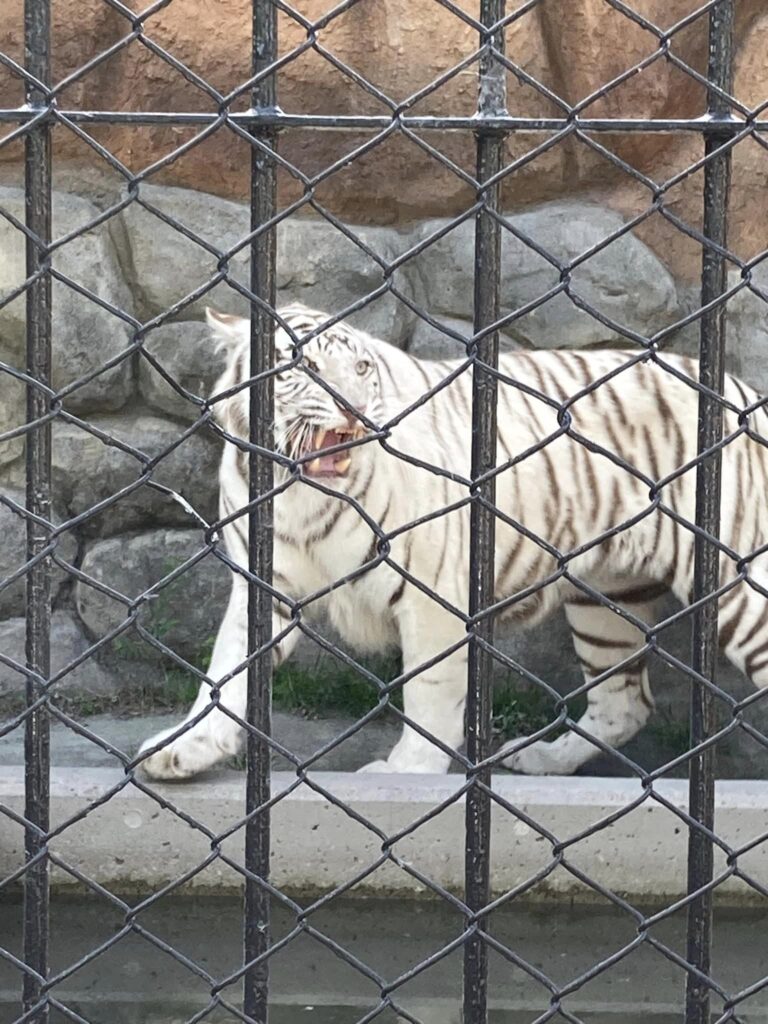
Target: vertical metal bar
(256, 936)
(706, 566)
(38, 470)
(490, 149)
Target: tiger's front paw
(375, 768)
(539, 758)
(432, 763)
(189, 754)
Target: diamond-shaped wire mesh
(560, 448)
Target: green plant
(521, 712)
(672, 735)
(179, 688)
(332, 686)
(127, 646)
(202, 657)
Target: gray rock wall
(133, 365)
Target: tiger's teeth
(313, 466)
(319, 438)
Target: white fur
(566, 492)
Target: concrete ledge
(135, 843)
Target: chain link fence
(243, 993)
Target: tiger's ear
(227, 329)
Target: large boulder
(13, 413)
(323, 268)
(85, 334)
(187, 353)
(316, 263)
(448, 340)
(429, 342)
(747, 329)
(623, 282)
(746, 320)
(13, 546)
(89, 469)
(89, 679)
(167, 264)
(184, 615)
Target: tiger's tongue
(325, 465)
(331, 438)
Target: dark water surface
(135, 980)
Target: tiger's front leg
(217, 736)
(433, 699)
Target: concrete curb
(135, 843)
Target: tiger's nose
(352, 420)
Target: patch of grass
(128, 647)
(673, 736)
(158, 618)
(327, 687)
(204, 653)
(331, 686)
(520, 712)
(179, 687)
(178, 690)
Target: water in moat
(134, 980)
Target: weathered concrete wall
(641, 856)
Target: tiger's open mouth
(334, 463)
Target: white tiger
(566, 493)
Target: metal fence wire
(721, 127)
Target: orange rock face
(380, 55)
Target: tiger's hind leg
(743, 622)
(618, 707)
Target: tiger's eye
(363, 366)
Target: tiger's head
(325, 388)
